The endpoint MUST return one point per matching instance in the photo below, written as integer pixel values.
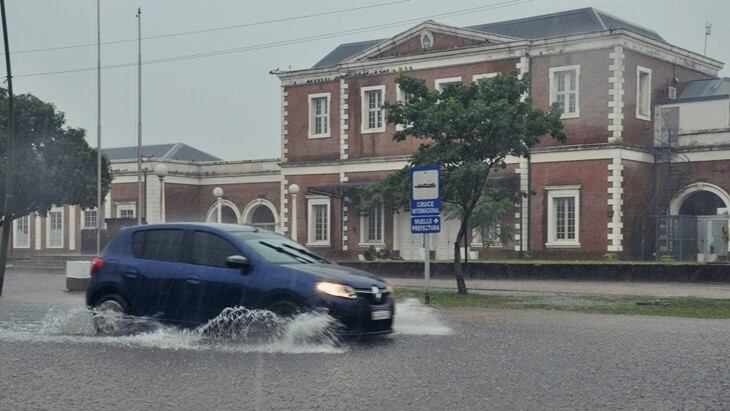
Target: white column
(162, 200)
(294, 217)
(72, 227)
(107, 208)
(38, 232)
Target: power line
(282, 43)
(212, 29)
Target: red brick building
(588, 194)
(644, 171)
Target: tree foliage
(54, 164)
(469, 130)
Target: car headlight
(337, 290)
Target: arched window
(262, 218)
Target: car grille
(371, 297)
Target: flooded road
(50, 359)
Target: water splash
(234, 330)
(414, 318)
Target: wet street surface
(50, 359)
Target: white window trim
(553, 88)
(48, 228)
(364, 110)
(364, 242)
(562, 191)
(438, 83)
(478, 77)
(121, 207)
(639, 70)
(83, 219)
(401, 98)
(310, 99)
(312, 201)
(16, 244)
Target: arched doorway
(261, 213)
(229, 213)
(706, 206)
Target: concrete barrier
(77, 275)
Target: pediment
(428, 37)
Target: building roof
(706, 89)
(176, 151)
(565, 23)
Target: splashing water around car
(236, 329)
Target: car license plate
(380, 315)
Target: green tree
(54, 163)
(469, 130)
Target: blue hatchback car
(188, 273)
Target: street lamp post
(294, 190)
(161, 173)
(218, 194)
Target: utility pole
(98, 128)
(7, 220)
(708, 32)
(139, 116)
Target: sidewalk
(701, 290)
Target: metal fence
(659, 237)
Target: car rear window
(162, 244)
(210, 249)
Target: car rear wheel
(108, 316)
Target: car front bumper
(356, 315)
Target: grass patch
(623, 305)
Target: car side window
(162, 245)
(210, 249)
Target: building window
(126, 211)
(89, 219)
(563, 216)
(319, 115)
(318, 221)
(54, 227)
(440, 84)
(21, 232)
(643, 93)
(478, 77)
(372, 226)
(373, 115)
(488, 236)
(404, 98)
(564, 90)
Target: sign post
(425, 213)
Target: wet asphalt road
(492, 360)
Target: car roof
(230, 228)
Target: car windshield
(282, 251)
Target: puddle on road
(234, 330)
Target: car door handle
(131, 273)
(193, 280)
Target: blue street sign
(425, 200)
(426, 225)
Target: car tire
(108, 315)
(285, 308)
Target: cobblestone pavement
(490, 359)
(704, 290)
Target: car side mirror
(238, 261)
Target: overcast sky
(229, 105)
